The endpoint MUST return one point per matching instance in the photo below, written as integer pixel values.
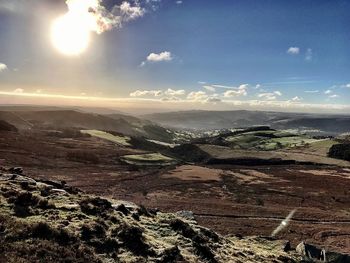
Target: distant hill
(62, 119)
(206, 120)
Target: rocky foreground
(46, 221)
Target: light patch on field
(222, 152)
(343, 174)
(171, 145)
(195, 173)
(121, 140)
(248, 176)
(149, 159)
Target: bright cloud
(162, 56)
(141, 93)
(296, 98)
(131, 12)
(197, 96)
(328, 91)
(293, 51)
(172, 92)
(3, 67)
(235, 92)
(270, 95)
(98, 18)
(158, 93)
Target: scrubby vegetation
(62, 226)
(82, 156)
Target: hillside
(5, 126)
(52, 222)
(63, 119)
(206, 120)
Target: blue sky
(273, 54)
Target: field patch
(121, 140)
(195, 173)
(268, 140)
(149, 159)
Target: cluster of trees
(340, 151)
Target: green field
(149, 159)
(121, 140)
(268, 140)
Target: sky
(177, 55)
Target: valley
(243, 182)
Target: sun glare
(70, 35)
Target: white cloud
(296, 98)
(131, 12)
(172, 92)
(270, 95)
(19, 90)
(197, 96)
(170, 99)
(165, 56)
(100, 18)
(293, 51)
(202, 82)
(2, 67)
(179, 2)
(328, 91)
(209, 88)
(308, 55)
(169, 93)
(334, 96)
(162, 56)
(234, 91)
(141, 93)
(203, 97)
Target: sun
(70, 34)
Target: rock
(59, 191)
(186, 214)
(16, 178)
(310, 252)
(287, 247)
(16, 170)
